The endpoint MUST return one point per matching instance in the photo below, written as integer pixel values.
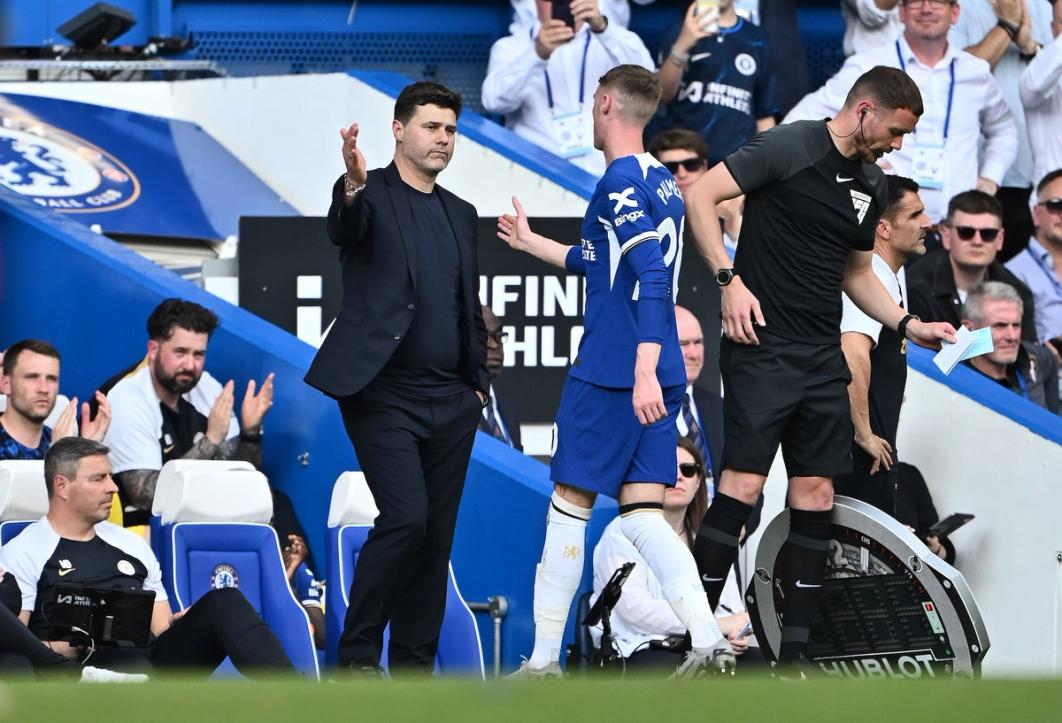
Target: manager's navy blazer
(379, 269)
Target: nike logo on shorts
(844, 179)
(699, 56)
(803, 585)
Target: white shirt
(866, 26)
(975, 21)
(515, 85)
(855, 319)
(26, 555)
(136, 419)
(525, 14)
(643, 613)
(1040, 88)
(978, 110)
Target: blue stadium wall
(91, 297)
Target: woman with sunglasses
(643, 615)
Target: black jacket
(379, 281)
(933, 296)
(1039, 372)
(508, 418)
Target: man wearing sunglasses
(972, 234)
(1040, 264)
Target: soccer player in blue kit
(616, 426)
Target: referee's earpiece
(863, 113)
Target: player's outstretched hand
(930, 334)
(648, 399)
(515, 230)
(741, 311)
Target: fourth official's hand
(930, 334)
(741, 312)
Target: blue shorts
(598, 443)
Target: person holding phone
(542, 78)
(643, 617)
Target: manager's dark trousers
(414, 452)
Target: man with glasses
(1040, 264)
(963, 102)
(716, 75)
(972, 235)
(498, 419)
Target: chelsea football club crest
(224, 575)
(59, 170)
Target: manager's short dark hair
(890, 88)
(425, 92)
(678, 139)
(899, 186)
(37, 346)
(64, 458)
(974, 201)
(188, 315)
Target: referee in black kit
(813, 199)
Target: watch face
(724, 276)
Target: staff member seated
(643, 614)
(75, 544)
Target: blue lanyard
(951, 88)
(1021, 383)
(582, 76)
(1049, 273)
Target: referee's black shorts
(790, 393)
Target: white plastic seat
(23, 494)
(212, 491)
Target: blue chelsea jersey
(631, 252)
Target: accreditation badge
(574, 134)
(928, 167)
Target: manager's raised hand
(354, 161)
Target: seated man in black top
(1024, 368)
(972, 236)
(75, 544)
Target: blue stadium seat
(23, 496)
(212, 521)
(349, 522)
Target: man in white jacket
(1041, 94)
(542, 78)
(963, 104)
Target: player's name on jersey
(717, 94)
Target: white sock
(672, 563)
(557, 577)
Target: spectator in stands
(1022, 367)
(1008, 34)
(541, 78)
(75, 544)
(877, 356)
(915, 508)
(169, 407)
(963, 104)
(685, 154)
(525, 12)
(1041, 94)
(716, 78)
(869, 24)
(30, 380)
(498, 418)
(972, 234)
(643, 614)
(1039, 266)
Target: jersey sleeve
(574, 261)
(24, 558)
(767, 157)
(133, 436)
(854, 319)
(628, 214)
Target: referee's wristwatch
(723, 277)
(901, 328)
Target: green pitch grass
(750, 700)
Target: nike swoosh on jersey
(843, 179)
(705, 578)
(804, 585)
(64, 573)
(699, 56)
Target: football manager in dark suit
(405, 359)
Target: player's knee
(574, 495)
(742, 486)
(811, 493)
